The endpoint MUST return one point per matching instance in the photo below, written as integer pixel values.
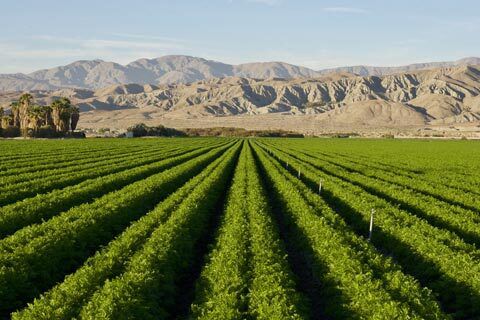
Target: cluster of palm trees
(61, 116)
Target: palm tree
(74, 117)
(61, 113)
(15, 108)
(2, 113)
(48, 116)
(7, 121)
(36, 115)
(26, 100)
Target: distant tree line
(142, 130)
(27, 119)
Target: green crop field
(224, 228)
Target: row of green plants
(438, 258)
(153, 273)
(14, 192)
(430, 178)
(65, 300)
(441, 213)
(20, 214)
(85, 166)
(358, 282)
(401, 286)
(221, 290)
(49, 153)
(429, 187)
(465, 223)
(273, 286)
(26, 149)
(247, 274)
(64, 163)
(37, 256)
(444, 163)
(46, 154)
(104, 161)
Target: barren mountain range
(442, 96)
(95, 74)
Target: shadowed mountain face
(437, 96)
(97, 74)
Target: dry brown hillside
(429, 97)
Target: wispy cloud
(112, 43)
(146, 37)
(44, 51)
(352, 10)
(267, 2)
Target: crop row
(36, 169)
(65, 300)
(432, 188)
(464, 222)
(57, 168)
(17, 179)
(438, 258)
(44, 206)
(356, 281)
(37, 256)
(432, 163)
(28, 154)
(153, 273)
(37, 154)
(433, 177)
(247, 274)
(16, 192)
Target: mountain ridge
(174, 69)
(365, 70)
(442, 96)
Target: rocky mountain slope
(97, 74)
(438, 96)
(381, 71)
(164, 70)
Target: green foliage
(442, 260)
(150, 276)
(222, 287)
(364, 296)
(247, 275)
(46, 131)
(124, 171)
(13, 189)
(215, 228)
(61, 243)
(10, 132)
(65, 300)
(142, 130)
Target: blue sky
(316, 34)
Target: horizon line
(253, 62)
